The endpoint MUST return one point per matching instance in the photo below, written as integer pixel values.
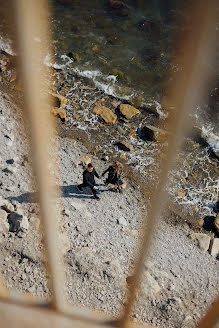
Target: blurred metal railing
(186, 90)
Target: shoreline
(174, 279)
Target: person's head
(90, 167)
(118, 166)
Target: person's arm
(105, 171)
(96, 174)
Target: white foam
(211, 138)
(5, 45)
(48, 61)
(158, 108)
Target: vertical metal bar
(34, 40)
(211, 317)
(186, 90)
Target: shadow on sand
(67, 192)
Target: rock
(216, 222)
(74, 55)
(95, 48)
(122, 221)
(132, 134)
(59, 112)
(123, 145)
(10, 161)
(137, 101)
(18, 222)
(4, 226)
(4, 61)
(128, 111)
(215, 247)
(7, 206)
(120, 7)
(203, 240)
(84, 160)
(58, 100)
(150, 285)
(24, 225)
(146, 134)
(3, 215)
(106, 114)
(119, 75)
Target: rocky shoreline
(180, 279)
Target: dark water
(135, 43)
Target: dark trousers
(83, 185)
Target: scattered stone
(7, 206)
(10, 161)
(84, 160)
(150, 285)
(203, 240)
(132, 134)
(31, 289)
(123, 145)
(146, 134)
(95, 48)
(65, 243)
(128, 111)
(106, 114)
(17, 222)
(215, 247)
(122, 221)
(216, 222)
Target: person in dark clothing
(114, 175)
(89, 181)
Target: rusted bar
(211, 317)
(187, 89)
(33, 41)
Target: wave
(211, 138)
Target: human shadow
(70, 191)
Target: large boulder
(123, 145)
(215, 247)
(128, 111)
(18, 222)
(106, 114)
(146, 134)
(58, 100)
(202, 239)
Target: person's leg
(94, 193)
(81, 186)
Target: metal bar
(186, 90)
(33, 22)
(211, 317)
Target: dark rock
(14, 220)
(120, 8)
(146, 134)
(10, 161)
(123, 145)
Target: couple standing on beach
(114, 177)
